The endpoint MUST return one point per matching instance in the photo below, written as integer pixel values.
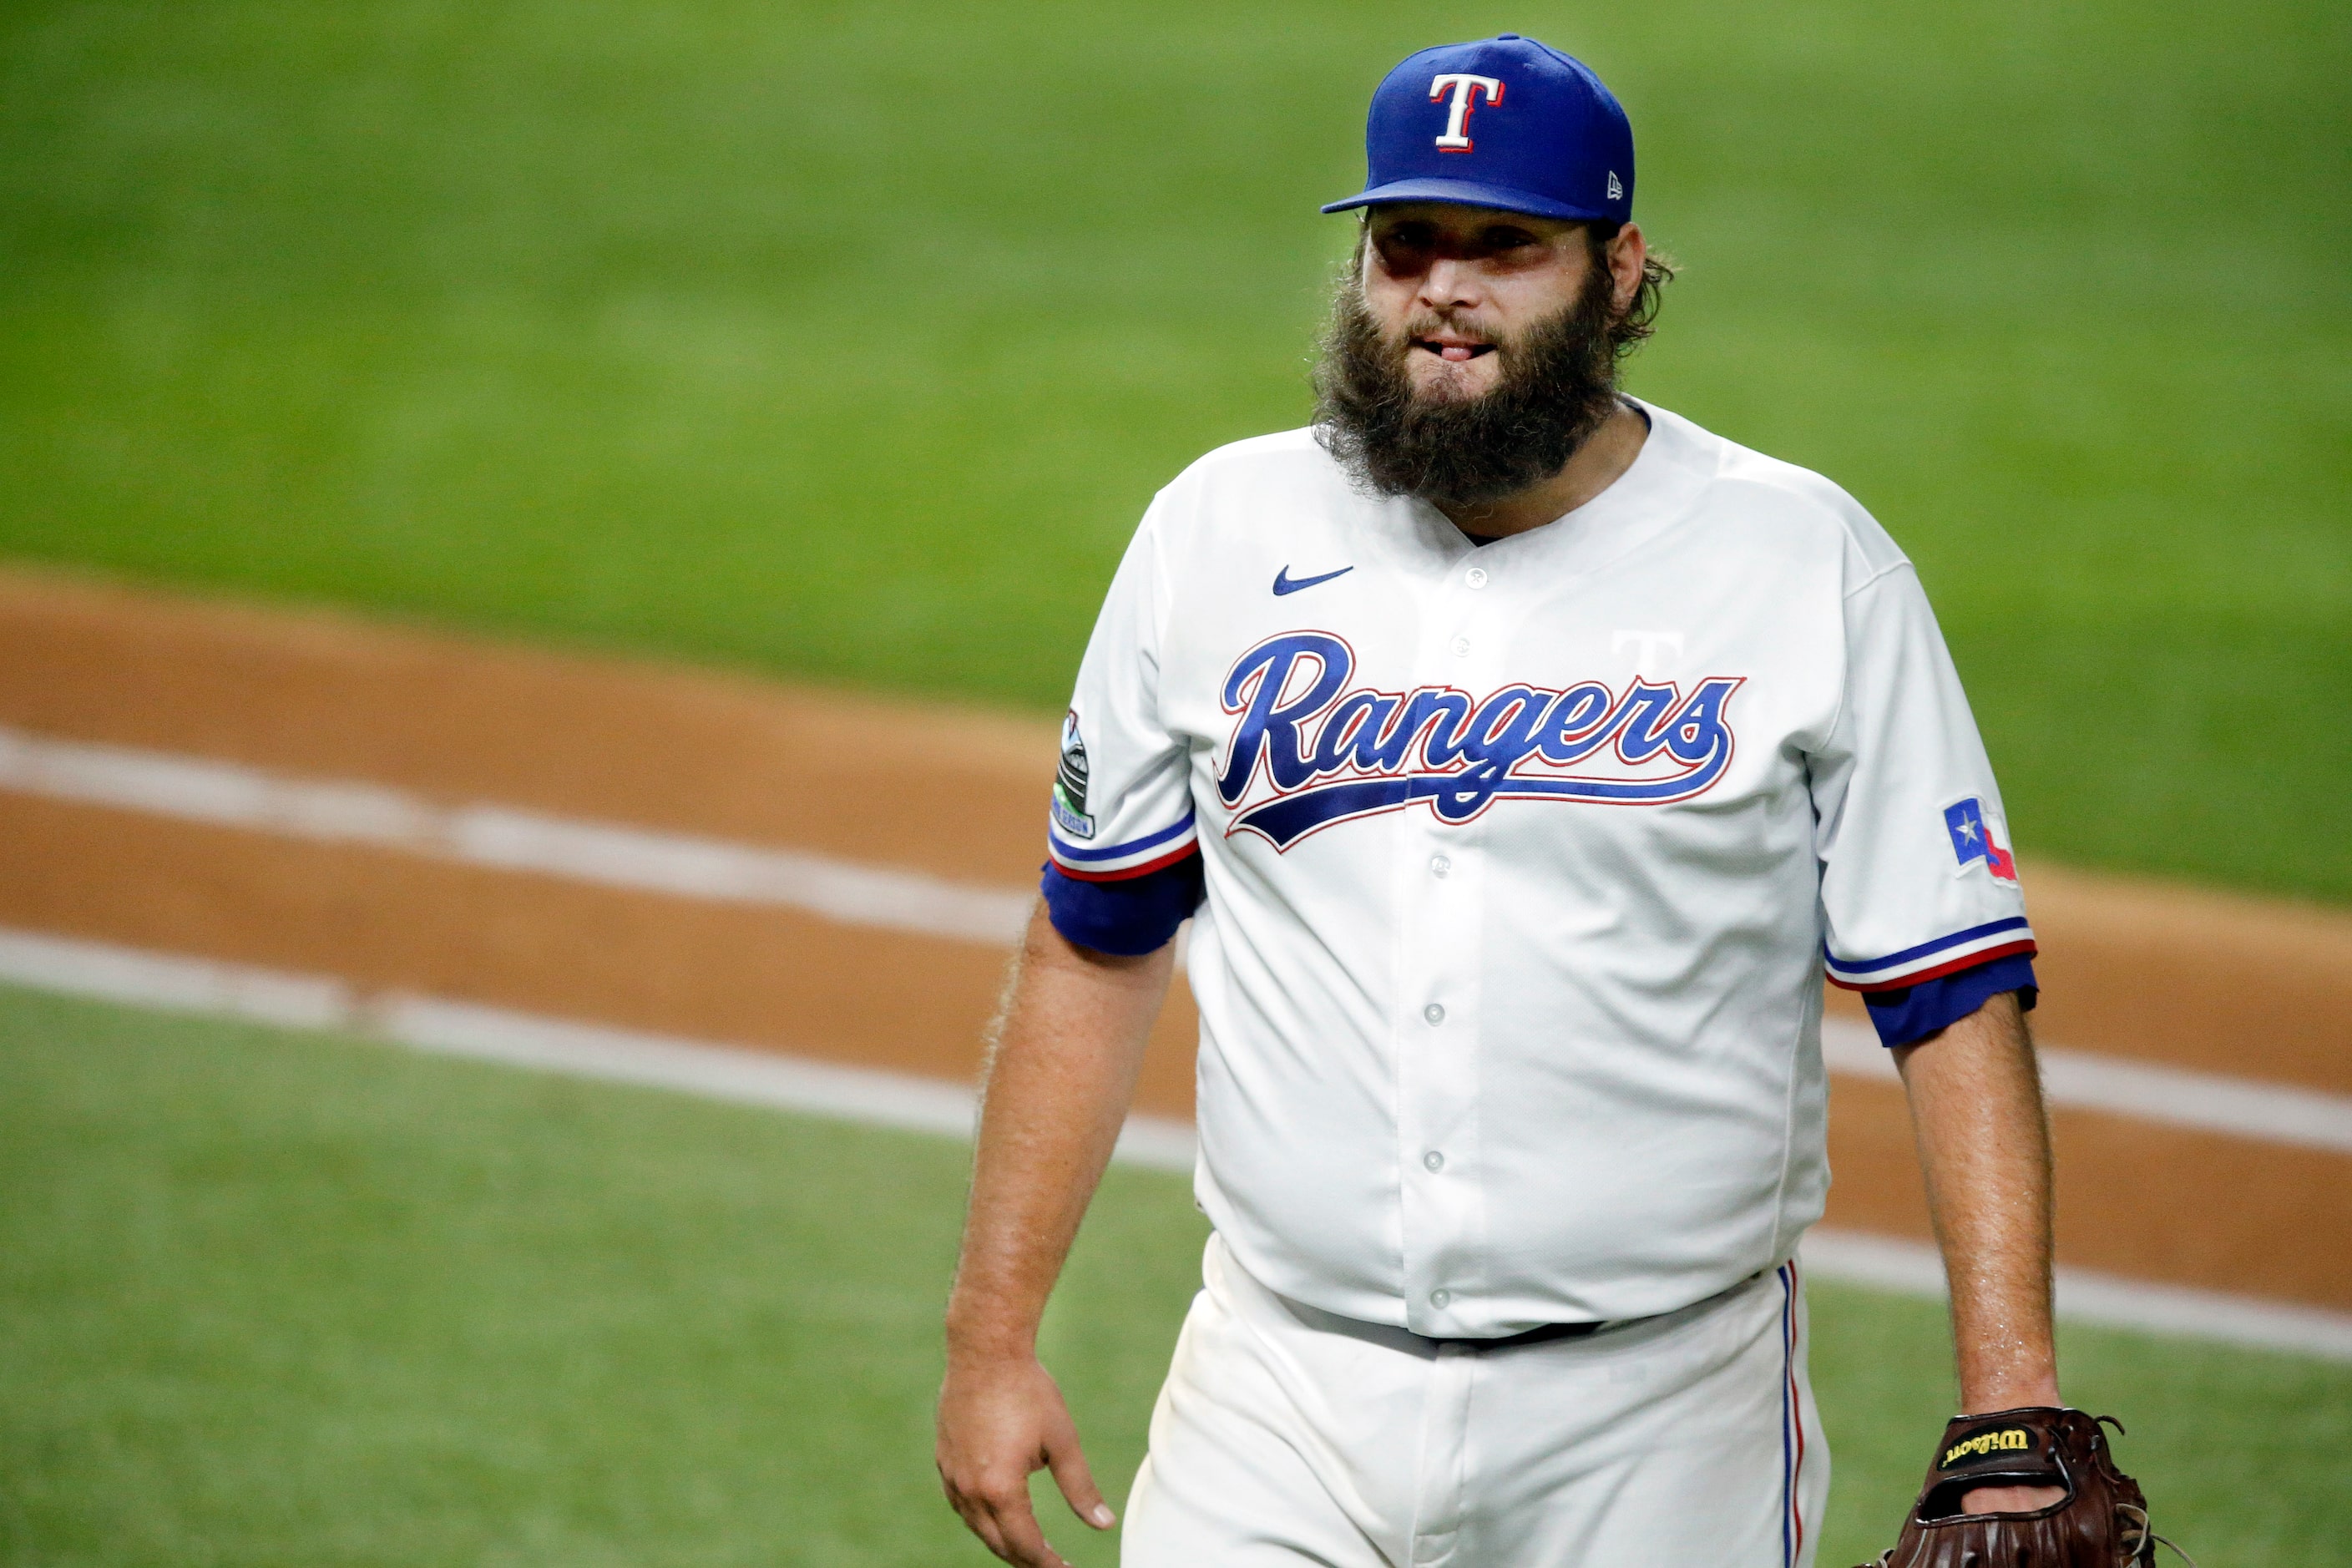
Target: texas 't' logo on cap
(1465, 88)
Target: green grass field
(280, 1299)
(849, 341)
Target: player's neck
(1594, 467)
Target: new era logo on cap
(1503, 122)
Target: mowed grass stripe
(273, 1297)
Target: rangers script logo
(1306, 752)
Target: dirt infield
(2248, 987)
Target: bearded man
(1525, 755)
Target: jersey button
(1461, 648)
(1433, 1012)
(1433, 1160)
(1439, 865)
(1438, 1298)
(1476, 577)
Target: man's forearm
(1061, 1072)
(1061, 1068)
(1984, 1147)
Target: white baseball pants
(1287, 1436)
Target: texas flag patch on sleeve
(1972, 839)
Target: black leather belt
(1542, 1334)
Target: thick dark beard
(1558, 385)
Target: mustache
(1426, 326)
(1438, 323)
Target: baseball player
(1523, 754)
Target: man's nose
(1449, 282)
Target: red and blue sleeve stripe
(1117, 862)
(1929, 960)
(1914, 993)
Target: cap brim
(1469, 193)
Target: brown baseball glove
(2101, 1523)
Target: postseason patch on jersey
(1972, 839)
(1070, 782)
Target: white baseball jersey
(1522, 862)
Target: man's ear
(1627, 252)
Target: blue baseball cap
(1504, 122)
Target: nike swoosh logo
(1284, 582)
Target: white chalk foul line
(723, 1072)
(927, 1105)
(748, 1076)
(2087, 1296)
(2084, 1080)
(231, 795)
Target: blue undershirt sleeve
(1131, 917)
(1915, 1011)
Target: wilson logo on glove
(1983, 1443)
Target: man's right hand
(1061, 1072)
(1000, 1421)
